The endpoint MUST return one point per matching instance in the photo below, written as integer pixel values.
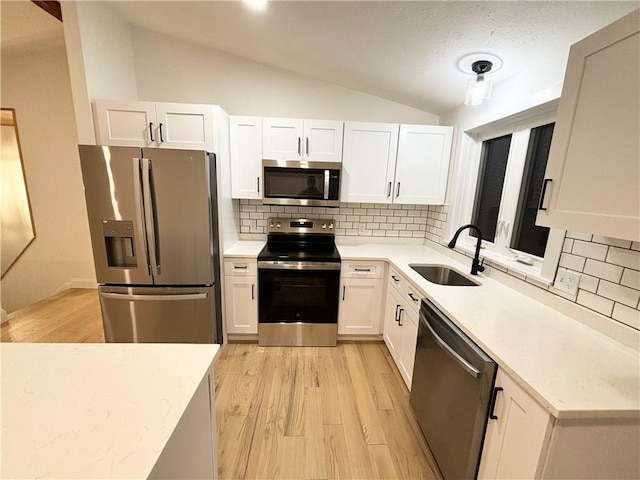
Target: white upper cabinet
(422, 166)
(297, 139)
(593, 172)
(390, 163)
(149, 124)
(186, 126)
(246, 156)
(128, 124)
(368, 162)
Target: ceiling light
(479, 88)
(256, 4)
(479, 65)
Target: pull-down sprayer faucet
(476, 265)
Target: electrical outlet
(567, 281)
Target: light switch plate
(567, 281)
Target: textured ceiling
(402, 51)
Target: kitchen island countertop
(94, 410)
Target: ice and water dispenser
(118, 239)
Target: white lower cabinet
(409, 325)
(241, 296)
(361, 289)
(400, 324)
(514, 442)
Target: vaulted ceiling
(406, 52)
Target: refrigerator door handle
(150, 216)
(139, 206)
(155, 298)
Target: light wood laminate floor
(282, 412)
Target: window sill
(508, 264)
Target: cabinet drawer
(361, 269)
(396, 279)
(240, 266)
(413, 297)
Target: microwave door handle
(326, 185)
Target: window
(503, 194)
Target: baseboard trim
(84, 283)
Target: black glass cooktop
(300, 248)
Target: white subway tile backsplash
(580, 236)
(568, 245)
(635, 246)
(626, 315)
(618, 293)
(572, 262)
(594, 302)
(611, 241)
(589, 249)
(589, 283)
(631, 278)
(624, 257)
(613, 273)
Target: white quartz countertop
(94, 410)
(573, 370)
(244, 248)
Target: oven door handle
(288, 265)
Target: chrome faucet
(476, 265)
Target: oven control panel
(300, 225)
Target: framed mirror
(17, 227)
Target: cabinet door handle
(240, 267)
(396, 317)
(362, 269)
(395, 279)
(344, 291)
(161, 139)
(151, 131)
(253, 291)
(258, 184)
(413, 298)
(492, 413)
(400, 316)
(298, 145)
(307, 144)
(398, 190)
(389, 190)
(543, 193)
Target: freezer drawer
(158, 314)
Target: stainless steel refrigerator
(153, 222)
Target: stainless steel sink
(443, 275)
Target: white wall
(37, 85)
(172, 70)
(100, 58)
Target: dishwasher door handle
(470, 369)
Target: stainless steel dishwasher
(451, 391)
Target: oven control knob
(278, 225)
(271, 225)
(324, 225)
(330, 225)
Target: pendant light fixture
(480, 85)
(479, 88)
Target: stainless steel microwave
(291, 182)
